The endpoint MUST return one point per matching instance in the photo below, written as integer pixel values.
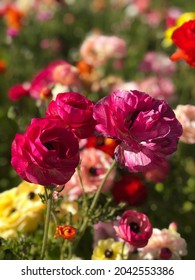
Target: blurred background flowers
(94, 47)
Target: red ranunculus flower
(131, 190)
(184, 38)
(17, 91)
(76, 111)
(99, 142)
(47, 153)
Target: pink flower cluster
(146, 131)
(48, 152)
(43, 83)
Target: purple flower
(46, 154)
(147, 128)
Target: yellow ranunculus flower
(20, 209)
(109, 249)
(180, 21)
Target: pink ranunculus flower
(98, 49)
(159, 174)
(157, 63)
(46, 78)
(147, 128)
(76, 111)
(66, 74)
(159, 88)
(94, 165)
(135, 228)
(47, 153)
(165, 244)
(186, 115)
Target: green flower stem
(83, 191)
(94, 203)
(47, 220)
(123, 247)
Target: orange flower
(65, 231)
(2, 66)
(13, 17)
(84, 67)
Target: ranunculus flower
(46, 154)
(158, 174)
(56, 72)
(134, 228)
(184, 38)
(76, 112)
(130, 189)
(158, 87)
(66, 74)
(16, 92)
(65, 231)
(147, 128)
(94, 165)
(99, 142)
(165, 244)
(157, 63)
(21, 209)
(98, 49)
(109, 249)
(186, 115)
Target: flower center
(31, 195)
(134, 227)
(165, 253)
(12, 211)
(108, 253)
(93, 171)
(100, 141)
(49, 146)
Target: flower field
(97, 117)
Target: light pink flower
(66, 74)
(98, 49)
(76, 112)
(165, 244)
(147, 128)
(157, 63)
(46, 154)
(186, 115)
(94, 165)
(134, 228)
(159, 87)
(47, 77)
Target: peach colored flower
(98, 49)
(186, 115)
(94, 165)
(164, 244)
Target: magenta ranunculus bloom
(47, 153)
(147, 128)
(76, 111)
(135, 228)
(16, 92)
